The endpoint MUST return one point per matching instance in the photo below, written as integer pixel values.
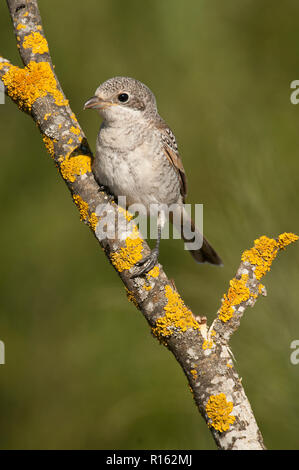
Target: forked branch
(203, 353)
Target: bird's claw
(146, 264)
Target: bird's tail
(205, 253)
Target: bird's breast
(135, 169)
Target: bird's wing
(171, 152)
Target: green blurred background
(82, 369)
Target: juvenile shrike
(137, 157)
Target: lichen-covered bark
(202, 352)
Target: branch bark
(202, 352)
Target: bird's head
(122, 99)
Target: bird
(137, 157)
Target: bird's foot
(146, 264)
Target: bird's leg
(147, 263)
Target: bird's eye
(123, 97)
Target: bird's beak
(96, 103)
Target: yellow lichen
(194, 373)
(75, 130)
(125, 213)
(265, 250)
(36, 42)
(219, 410)
(260, 257)
(72, 167)
(131, 298)
(82, 206)
(261, 287)
(46, 116)
(238, 292)
(20, 26)
(26, 85)
(4, 64)
(146, 287)
(153, 272)
(226, 310)
(207, 344)
(49, 144)
(126, 257)
(177, 316)
(286, 238)
(93, 220)
(70, 141)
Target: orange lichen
(260, 257)
(207, 344)
(285, 239)
(147, 287)
(265, 250)
(26, 85)
(93, 220)
(219, 410)
(226, 310)
(4, 64)
(238, 292)
(153, 272)
(75, 130)
(177, 316)
(125, 213)
(261, 287)
(126, 257)
(82, 206)
(36, 42)
(72, 167)
(131, 298)
(49, 144)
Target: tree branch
(203, 353)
